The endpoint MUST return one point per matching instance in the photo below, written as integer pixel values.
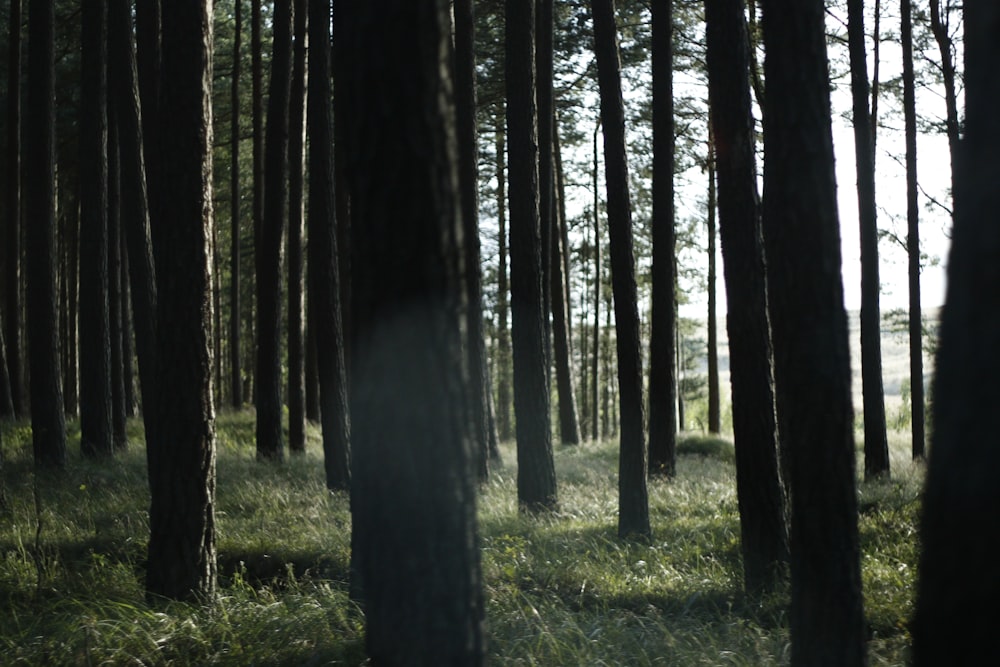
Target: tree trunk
(809, 329)
(128, 340)
(6, 403)
(235, 360)
(536, 478)
(913, 238)
(312, 365)
(940, 26)
(68, 232)
(662, 356)
(961, 495)
(148, 55)
(48, 423)
(324, 265)
(96, 437)
(12, 294)
(504, 422)
(761, 497)
(596, 337)
(633, 499)
(182, 559)
(546, 181)
(267, 393)
(714, 409)
(876, 444)
(116, 331)
(415, 519)
(296, 228)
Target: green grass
(561, 589)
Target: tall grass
(561, 589)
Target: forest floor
(560, 589)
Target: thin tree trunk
(296, 229)
(12, 295)
(940, 27)
(312, 365)
(6, 403)
(504, 422)
(147, 36)
(128, 341)
(68, 278)
(596, 337)
(116, 330)
(235, 360)
(546, 180)
(714, 411)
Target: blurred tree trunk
(182, 557)
(415, 519)
(662, 356)
(876, 444)
(961, 496)
(536, 478)
(267, 393)
(48, 422)
(761, 497)
(296, 229)
(714, 409)
(12, 295)
(917, 417)
(809, 329)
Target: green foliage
(560, 589)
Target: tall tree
(48, 423)
(941, 28)
(503, 402)
(596, 335)
(544, 99)
(324, 265)
(116, 330)
(633, 499)
(257, 95)
(876, 444)
(235, 233)
(714, 409)
(536, 477)
(912, 236)
(961, 495)
(148, 28)
(12, 238)
(809, 329)
(95, 323)
(414, 460)
(468, 179)
(662, 354)
(182, 559)
(267, 389)
(296, 229)
(761, 497)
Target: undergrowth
(561, 589)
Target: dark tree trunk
(504, 422)
(134, 202)
(633, 499)
(809, 329)
(48, 423)
(128, 341)
(546, 181)
(961, 496)
(235, 360)
(714, 409)
(312, 365)
(415, 519)
(115, 330)
(6, 403)
(296, 229)
(876, 444)
(342, 202)
(257, 95)
(662, 355)
(182, 563)
(913, 237)
(536, 477)
(595, 411)
(267, 392)
(940, 27)
(12, 239)
(762, 503)
(96, 437)
(148, 21)
(324, 266)
(468, 178)
(68, 231)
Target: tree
(6, 401)
(95, 322)
(809, 329)
(48, 423)
(12, 239)
(148, 27)
(182, 559)
(235, 360)
(941, 28)
(296, 220)
(536, 477)
(761, 497)
(662, 354)
(504, 421)
(323, 265)
(714, 408)
(633, 499)
(414, 515)
(876, 444)
(267, 390)
(961, 495)
(544, 99)
(912, 236)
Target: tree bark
(48, 423)
(116, 330)
(546, 181)
(714, 409)
(536, 479)
(267, 392)
(235, 226)
(876, 444)
(662, 355)
(504, 422)
(633, 499)
(12, 295)
(759, 490)
(324, 265)
(809, 329)
(148, 26)
(961, 495)
(415, 519)
(182, 558)
(296, 229)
